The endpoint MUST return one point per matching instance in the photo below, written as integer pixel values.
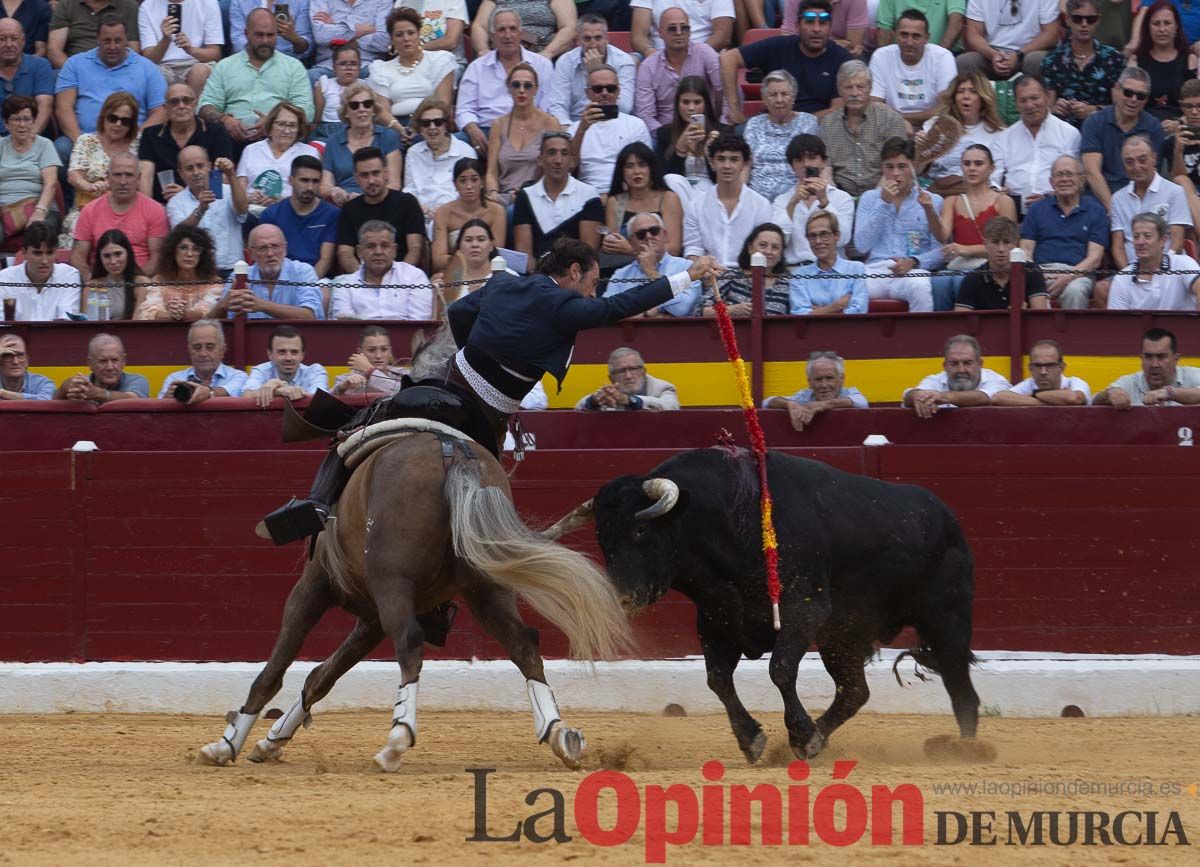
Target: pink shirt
(847, 15)
(145, 220)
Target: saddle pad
(363, 442)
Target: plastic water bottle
(103, 304)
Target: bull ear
(665, 494)
(573, 520)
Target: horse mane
(431, 359)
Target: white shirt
(601, 144)
(405, 87)
(700, 15)
(387, 301)
(1068, 383)
(990, 383)
(49, 304)
(552, 212)
(431, 178)
(1163, 292)
(1028, 160)
(1163, 197)
(261, 170)
(976, 133)
(1003, 29)
(568, 93)
(332, 92)
(911, 88)
(221, 221)
(710, 230)
(797, 250)
(201, 23)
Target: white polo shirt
(551, 213)
(405, 294)
(1162, 292)
(1068, 383)
(1163, 197)
(710, 230)
(990, 383)
(47, 305)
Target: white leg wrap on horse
(285, 727)
(226, 750)
(545, 709)
(405, 711)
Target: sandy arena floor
(121, 789)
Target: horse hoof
(568, 744)
(265, 751)
(959, 749)
(388, 760)
(812, 749)
(216, 754)
(757, 746)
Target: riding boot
(300, 519)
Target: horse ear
(419, 339)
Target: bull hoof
(812, 748)
(757, 746)
(568, 744)
(266, 751)
(959, 749)
(217, 754)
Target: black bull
(860, 559)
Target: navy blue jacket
(530, 321)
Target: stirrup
(437, 622)
(299, 519)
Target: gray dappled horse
(414, 528)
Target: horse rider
(509, 333)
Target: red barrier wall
(1082, 522)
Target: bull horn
(570, 522)
(666, 494)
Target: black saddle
(445, 403)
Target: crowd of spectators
(370, 159)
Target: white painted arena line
(1013, 684)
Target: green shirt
(937, 11)
(238, 88)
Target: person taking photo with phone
(603, 130)
(184, 39)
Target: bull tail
(562, 585)
(923, 657)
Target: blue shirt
(309, 377)
(809, 289)
(34, 77)
(1101, 135)
(226, 377)
(35, 387)
(94, 82)
(880, 232)
(131, 382)
(805, 395)
(297, 11)
(683, 304)
(306, 234)
(1190, 15)
(306, 295)
(1064, 237)
(340, 162)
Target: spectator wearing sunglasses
(812, 58)
(568, 93)
(158, 149)
(359, 130)
(87, 170)
(649, 238)
(711, 21)
(850, 22)
(945, 19)
(1079, 91)
(1106, 131)
(429, 164)
(1004, 37)
(659, 76)
(604, 129)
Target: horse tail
(562, 585)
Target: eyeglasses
(679, 28)
(181, 100)
(286, 124)
(648, 232)
(604, 88)
(432, 121)
(521, 85)
(810, 17)
(1190, 106)
(636, 368)
(1044, 365)
(1135, 94)
(355, 104)
(119, 119)
(819, 236)
(1085, 19)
